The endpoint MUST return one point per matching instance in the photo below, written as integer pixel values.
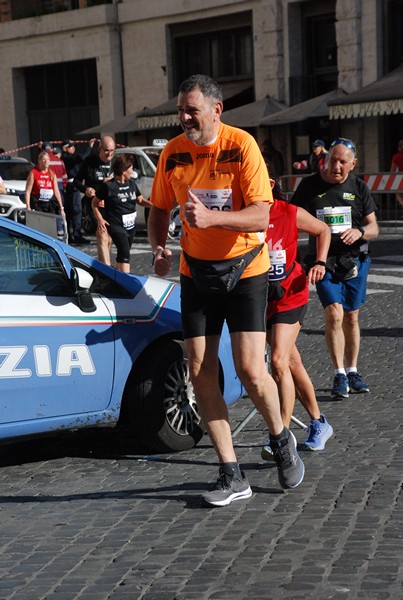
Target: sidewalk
(84, 518)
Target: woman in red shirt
(285, 314)
(41, 190)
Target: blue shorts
(350, 294)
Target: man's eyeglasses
(345, 142)
(107, 151)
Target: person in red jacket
(287, 305)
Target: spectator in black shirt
(72, 197)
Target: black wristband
(321, 263)
(362, 230)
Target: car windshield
(153, 154)
(18, 171)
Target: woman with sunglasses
(344, 202)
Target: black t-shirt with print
(315, 193)
(92, 172)
(120, 199)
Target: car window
(29, 268)
(145, 168)
(153, 154)
(18, 171)
(101, 283)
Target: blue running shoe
(356, 383)
(318, 433)
(340, 386)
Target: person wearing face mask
(218, 177)
(344, 202)
(95, 170)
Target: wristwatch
(321, 263)
(362, 230)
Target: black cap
(68, 143)
(317, 143)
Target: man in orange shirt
(217, 175)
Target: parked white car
(14, 172)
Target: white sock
(351, 369)
(337, 371)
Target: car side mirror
(82, 281)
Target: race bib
(45, 195)
(338, 218)
(214, 199)
(278, 260)
(129, 221)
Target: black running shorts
(244, 308)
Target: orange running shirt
(228, 174)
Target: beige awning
(166, 114)
(250, 115)
(118, 125)
(315, 107)
(382, 97)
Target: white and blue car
(83, 345)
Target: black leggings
(123, 239)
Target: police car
(83, 345)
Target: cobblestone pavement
(84, 517)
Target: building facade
(114, 66)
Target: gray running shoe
(226, 490)
(266, 452)
(290, 467)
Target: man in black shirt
(72, 197)
(95, 170)
(344, 202)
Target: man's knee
(334, 314)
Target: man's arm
(158, 224)
(370, 226)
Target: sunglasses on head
(345, 142)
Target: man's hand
(90, 192)
(162, 259)
(350, 236)
(196, 214)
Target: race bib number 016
(214, 199)
(338, 218)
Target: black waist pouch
(219, 276)
(344, 267)
(276, 290)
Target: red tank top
(42, 187)
(282, 241)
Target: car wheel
(159, 402)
